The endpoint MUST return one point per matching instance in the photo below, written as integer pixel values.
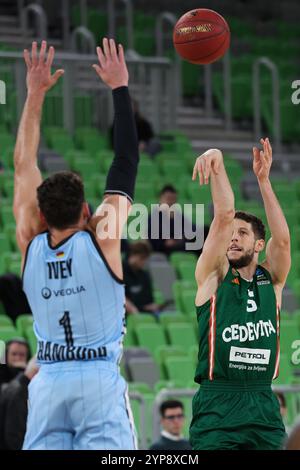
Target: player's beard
(243, 261)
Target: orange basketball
(201, 36)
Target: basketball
(201, 36)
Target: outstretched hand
(39, 78)
(262, 160)
(207, 163)
(112, 67)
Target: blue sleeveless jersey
(77, 302)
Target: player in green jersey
(238, 303)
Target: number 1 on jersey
(66, 323)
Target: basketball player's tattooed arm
(278, 256)
(213, 264)
(112, 214)
(27, 174)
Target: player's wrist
(36, 95)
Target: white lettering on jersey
(250, 356)
(251, 304)
(249, 332)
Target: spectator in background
(168, 197)
(12, 296)
(17, 357)
(172, 422)
(293, 442)
(283, 408)
(13, 408)
(138, 284)
(148, 143)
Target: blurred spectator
(283, 409)
(168, 197)
(13, 408)
(17, 357)
(12, 296)
(138, 284)
(148, 143)
(282, 403)
(293, 442)
(172, 422)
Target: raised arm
(112, 214)
(213, 264)
(27, 175)
(278, 256)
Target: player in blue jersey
(72, 273)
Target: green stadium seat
(53, 110)
(178, 287)
(62, 144)
(129, 339)
(288, 334)
(134, 320)
(9, 192)
(50, 134)
(166, 319)
(285, 371)
(179, 369)
(186, 270)
(4, 243)
(150, 336)
(71, 156)
(139, 387)
(31, 338)
(85, 167)
(7, 333)
(84, 110)
(188, 302)
(181, 257)
(181, 334)
(23, 322)
(6, 321)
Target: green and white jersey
(239, 330)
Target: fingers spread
(27, 58)
(121, 53)
(106, 49)
(34, 54)
(50, 56)
(101, 57)
(42, 52)
(113, 50)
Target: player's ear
(259, 245)
(86, 210)
(42, 217)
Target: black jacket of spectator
(138, 286)
(8, 373)
(13, 413)
(13, 296)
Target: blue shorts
(79, 406)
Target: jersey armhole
(100, 252)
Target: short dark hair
(258, 226)
(17, 340)
(168, 188)
(60, 199)
(170, 404)
(141, 248)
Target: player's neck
(248, 271)
(57, 236)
